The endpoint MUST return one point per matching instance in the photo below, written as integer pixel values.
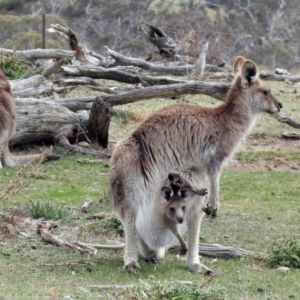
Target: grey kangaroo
(188, 138)
(8, 116)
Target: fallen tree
(59, 121)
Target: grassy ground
(257, 208)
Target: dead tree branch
(48, 237)
(216, 250)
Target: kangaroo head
(254, 89)
(176, 203)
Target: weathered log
(32, 86)
(162, 69)
(41, 124)
(48, 237)
(80, 50)
(38, 121)
(54, 67)
(216, 250)
(99, 246)
(165, 44)
(200, 63)
(282, 118)
(68, 135)
(291, 135)
(276, 77)
(76, 104)
(103, 73)
(215, 90)
(98, 123)
(42, 53)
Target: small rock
(283, 269)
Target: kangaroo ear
(237, 65)
(201, 192)
(184, 193)
(167, 192)
(249, 72)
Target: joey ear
(237, 65)
(201, 192)
(166, 192)
(249, 72)
(184, 193)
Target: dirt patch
(264, 143)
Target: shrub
(11, 65)
(285, 253)
(49, 210)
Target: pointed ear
(237, 65)
(167, 192)
(201, 192)
(249, 72)
(184, 193)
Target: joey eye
(172, 209)
(183, 208)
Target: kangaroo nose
(180, 220)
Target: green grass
(257, 209)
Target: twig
(48, 237)
(89, 161)
(111, 287)
(61, 264)
(99, 246)
(87, 203)
(211, 278)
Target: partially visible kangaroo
(8, 115)
(176, 196)
(189, 138)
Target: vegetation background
(266, 31)
(259, 190)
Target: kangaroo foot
(132, 266)
(150, 260)
(210, 211)
(200, 268)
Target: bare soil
(266, 143)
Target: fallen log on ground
(216, 250)
(50, 238)
(182, 70)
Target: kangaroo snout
(180, 220)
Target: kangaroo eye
(183, 208)
(172, 209)
(266, 93)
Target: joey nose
(180, 220)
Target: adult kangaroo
(187, 138)
(8, 115)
